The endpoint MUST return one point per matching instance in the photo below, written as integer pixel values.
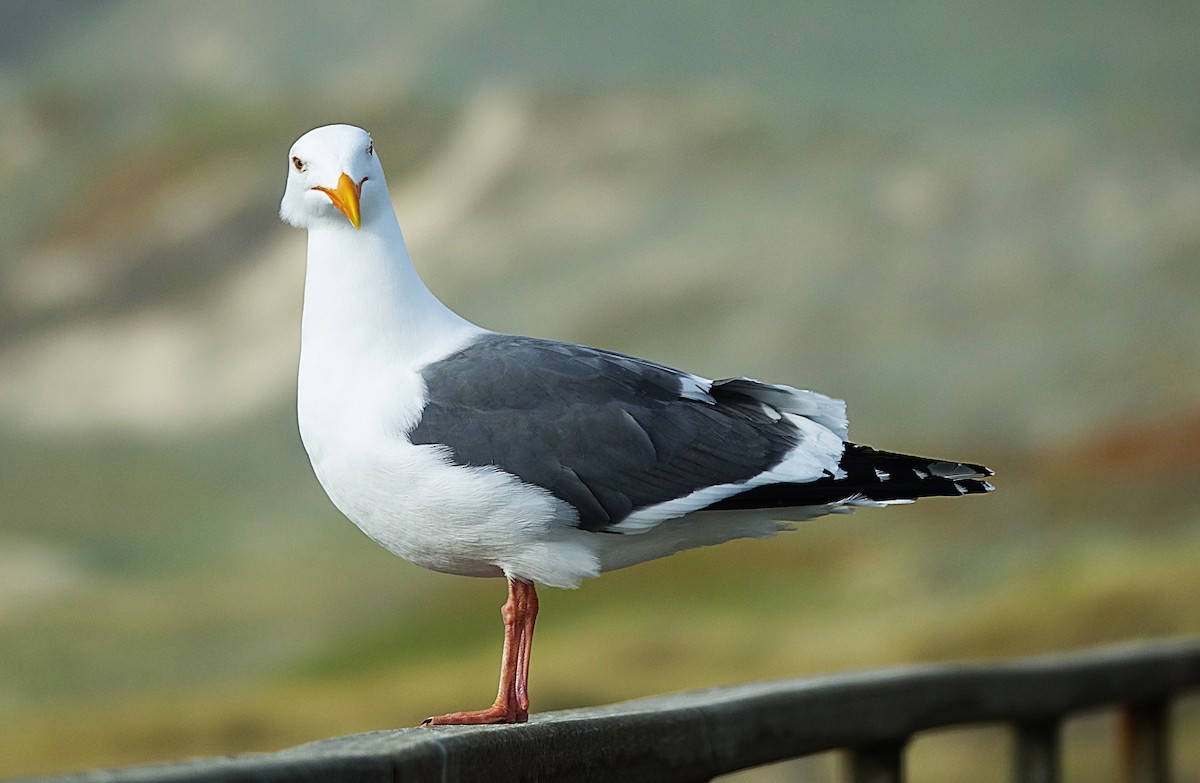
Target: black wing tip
(871, 474)
(974, 486)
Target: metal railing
(696, 736)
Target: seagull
(483, 454)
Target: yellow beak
(345, 198)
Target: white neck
(369, 325)
(364, 301)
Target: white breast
(413, 500)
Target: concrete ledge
(696, 735)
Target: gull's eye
(370, 148)
(298, 164)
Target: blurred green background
(977, 222)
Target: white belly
(472, 521)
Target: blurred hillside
(979, 225)
(786, 195)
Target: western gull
(476, 453)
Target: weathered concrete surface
(695, 736)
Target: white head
(334, 179)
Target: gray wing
(607, 433)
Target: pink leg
(512, 700)
(521, 686)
